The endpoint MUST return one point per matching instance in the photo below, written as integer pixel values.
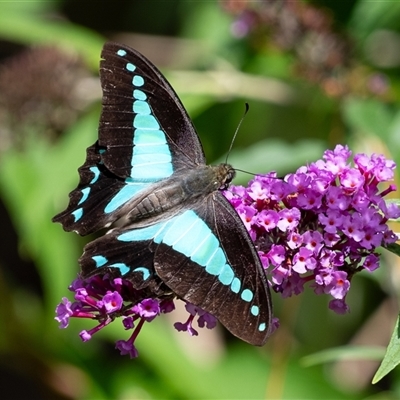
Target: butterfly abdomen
(179, 192)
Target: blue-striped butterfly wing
(204, 255)
(182, 236)
(143, 124)
(207, 258)
(145, 135)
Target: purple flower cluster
(321, 224)
(104, 299)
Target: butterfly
(178, 232)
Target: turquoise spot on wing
(100, 261)
(226, 276)
(137, 80)
(121, 52)
(247, 295)
(216, 263)
(197, 234)
(85, 194)
(142, 121)
(182, 224)
(207, 249)
(255, 310)
(124, 195)
(236, 285)
(151, 172)
(77, 214)
(139, 94)
(130, 67)
(144, 271)
(152, 158)
(262, 327)
(123, 268)
(149, 159)
(149, 137)
(141, 107)
(151, 149)
(96, 173)
(137, 235)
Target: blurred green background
(314, 73)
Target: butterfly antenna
(247, 107)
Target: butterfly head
(224, 174)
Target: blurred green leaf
(370, 15)
(392, 356)
(393, 248)
(344, 353)
(34, 29)
(273, 155)
(368, 116)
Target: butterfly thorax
(181, 191)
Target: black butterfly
(179, 232)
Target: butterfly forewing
(136, 93)
(145, 135)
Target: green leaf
(392, 356)
(273, 155)
(393, 248)
(372, 15)
(344, 353)
(33, 30)
(368, 116)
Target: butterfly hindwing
(207, 258)
(204, 255)
(145, 135)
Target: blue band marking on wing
(148, 159)
(96, 172)
(206, 252)
(236, 285)
(147, 233)
(139, 95)
(157, 162)
(183, 233)
(124, 195)
(182, 224)
(137, 81)
(262, 327)
(226, 276)
(141, 107)
(195, 239)
(144, 271)
(130, 67)
(99, 260)
(255, 310)
(85, 194)
(151, 149)
(123, 268)
(150, 138)
(143, 121)
(77, 214)
(247, 295)
(150, 171)
(216, 264)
